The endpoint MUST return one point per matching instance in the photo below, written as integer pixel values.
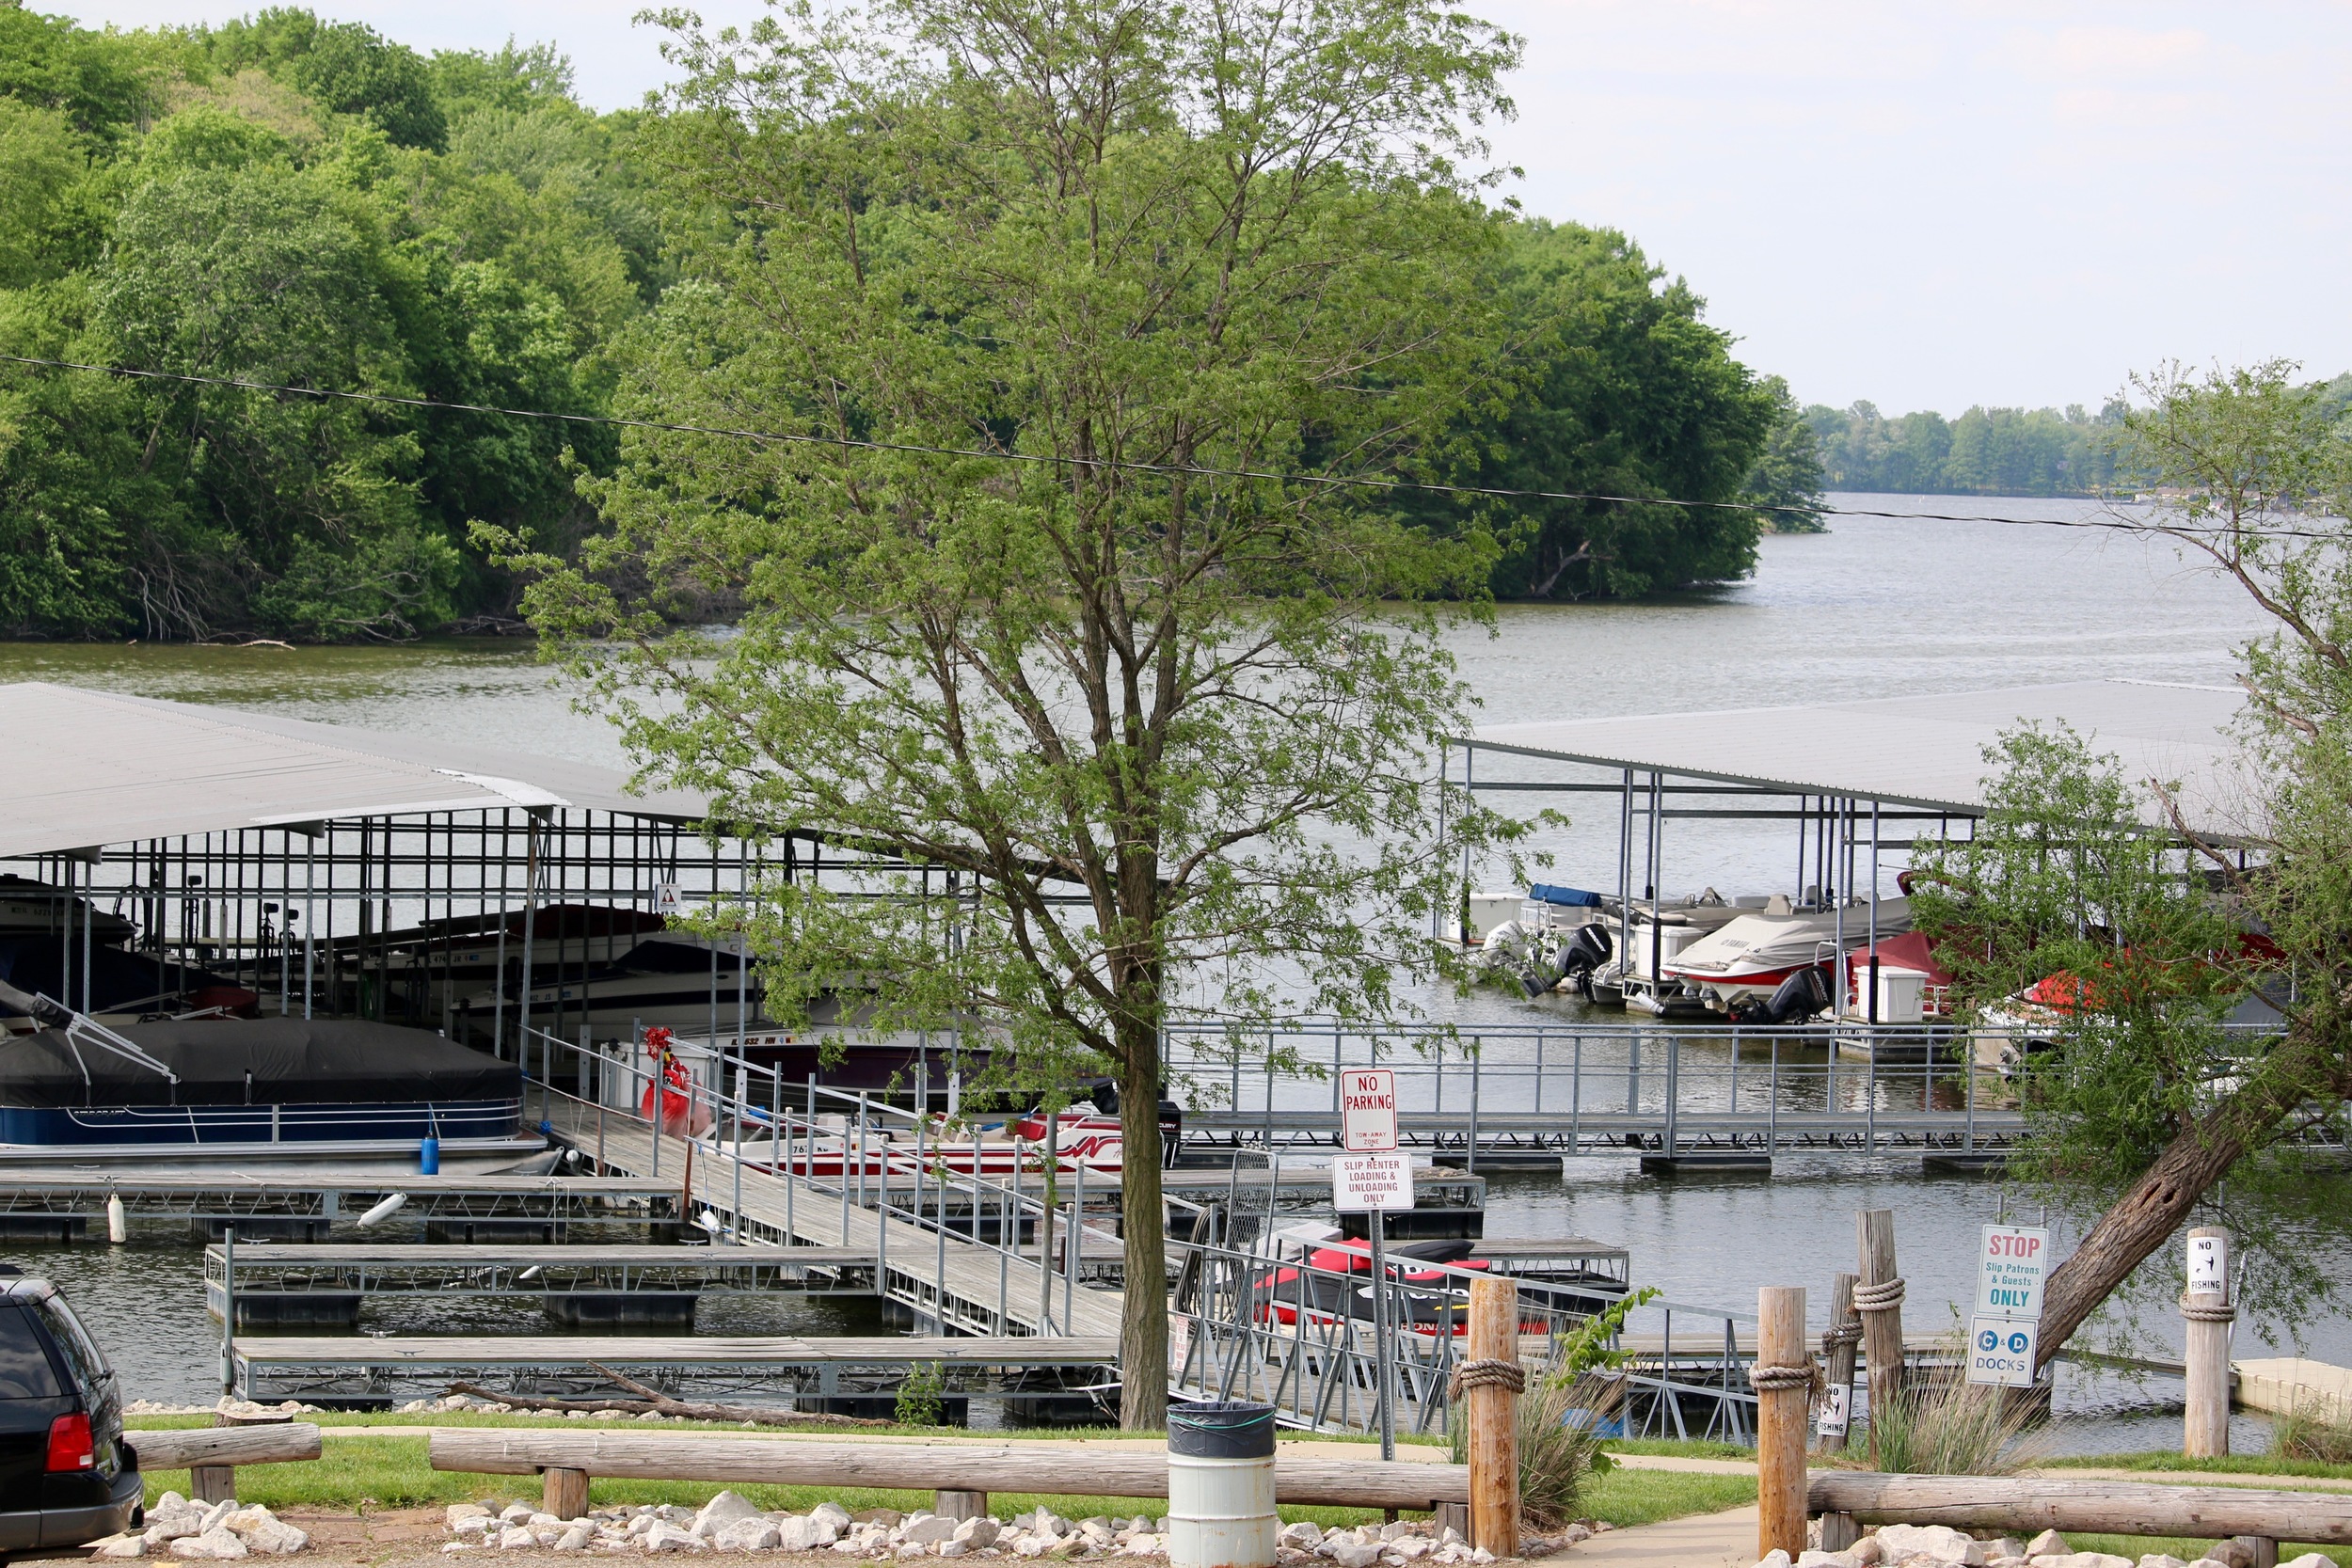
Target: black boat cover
(117, 981)
(292, 1062)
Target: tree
(1788, 484)
(1606, 381)
(1038, 302)
(2157, 925)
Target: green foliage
(2157, 920)
(2312, 1436)
(1788, 477)
(1947, 1426)
(919, 1403)
(1986, 451)
(263, 201)
(1606, 381)
(1167, 728)
(1559, 1446)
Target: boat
(1749, 958)
(1652, 935)
(1083, 1138)
(114, 986)
(28, 907)
(277, 1095)
(670, 980)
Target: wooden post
(565, 1494)
(1451, 1517)
(2208, 1313)
(960, 1504)
(1782, 1378)
(1837, 1351)
(1493, 1416)
(213, 1484)
(1878, 1299)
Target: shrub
(2310, 1433)
(1952, 1426)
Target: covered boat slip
(1863, 782)
(211, 860)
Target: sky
(1928, 206)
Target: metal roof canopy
(1927, 752)
(92, 769)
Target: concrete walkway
(1726, 1540)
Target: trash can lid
(1221, 1429)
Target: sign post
(2005, 1328)
(1370, 1178)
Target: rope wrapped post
(1785, 1377)
(1877, 1296)
(2208, 1314)
(1488, 1383)
(1837, 1356)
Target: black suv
(66, 1475)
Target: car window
(81, 1352)
(25, 1371)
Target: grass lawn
(392, 1472)
(2236, 1463)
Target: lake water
(1874, 608)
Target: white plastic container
(1220, 1487)
(1902, 995)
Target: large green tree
(1041, 304)
(2159, 919)
(264, 202)
(1606, 381)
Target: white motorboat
(1748, 958)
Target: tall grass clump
(1561, 1416)
(2312, 1432)
(1952, 1426)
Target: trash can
(1220, 1485)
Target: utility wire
(1193, 470)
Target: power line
(1186, 469)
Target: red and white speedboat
(1749, 958)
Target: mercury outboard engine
(1583, 953)
(1800, 996)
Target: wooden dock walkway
(370, 1368)
(954, 1285)
(234, 1195)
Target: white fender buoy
(531, 1272)
(709, 1221)
(383, 1211)
(117, 1223)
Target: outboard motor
(1583, 953)
(1800, 996)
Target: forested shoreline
(289, 200)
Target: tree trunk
(2137, 1224)
(1143, 1325)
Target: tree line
(285, 199)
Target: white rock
(2084, 1560)
(1351, 1553)
(119, 1545)
(757, 1533)
(2208, 1562)
(848, 1545)
(170, 1528)
(979, 1531)
(1774, 1558)
(212, 1516)
(575, 1538)
(2048, 1543)
(515, 1536)
(170, 1502)
(833, 1512)
(667, 1537)
(952, 1547)
(273, 1537)
(214, 1544)
(806, 1532)
(726, 1508)
(2310, 1559)
(517, 1513)
(1936, 1542)
(1815, 1557)
(929, 1530)
(455, 1514)
(1304, 1535)
(2165, 1560)
(1482, 1555)
(457, 1546)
